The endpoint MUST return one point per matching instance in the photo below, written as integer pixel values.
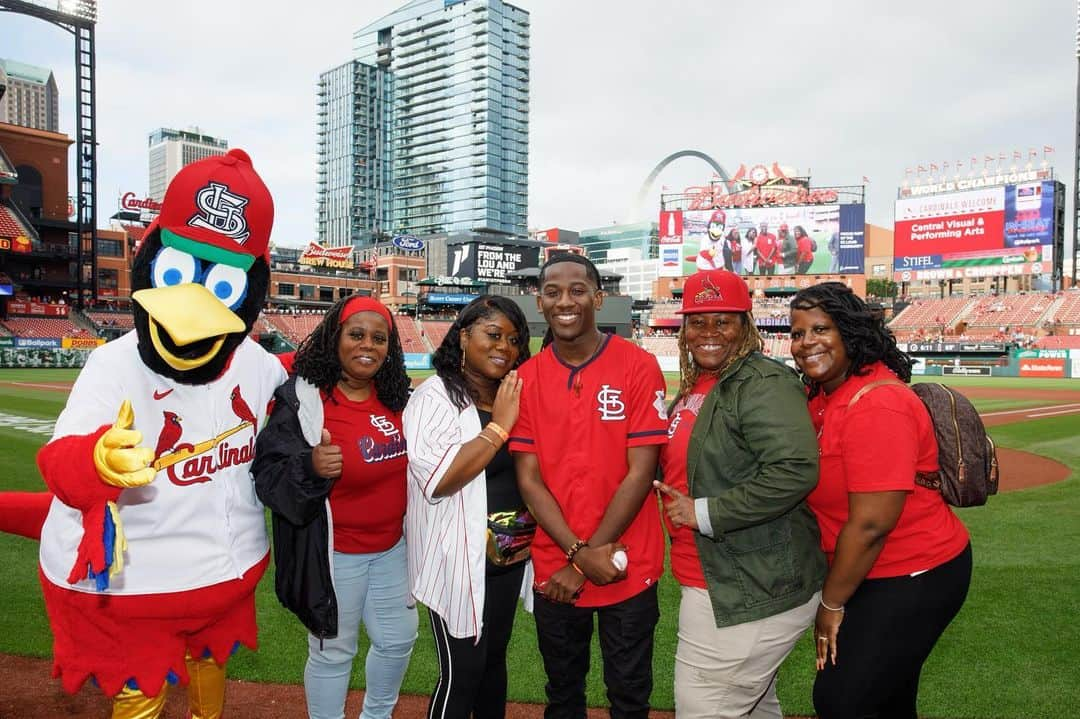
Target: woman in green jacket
(745, 548)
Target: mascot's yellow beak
(188, 313)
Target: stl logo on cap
(221, 211)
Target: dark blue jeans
(564, 633)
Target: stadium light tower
(78, 18)
(1076, 176)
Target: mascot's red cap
(218, 209)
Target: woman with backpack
(899, 559)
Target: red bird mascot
(150, 557)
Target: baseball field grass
(1013, 652)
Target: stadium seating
(44, 327)
(931, 314)
(1068, 313)
(411, 341)
(1012, 311)
(661, 346)
(10, 227)
(435, 330)
(1058, 342)
(294, 327)
(122, 320)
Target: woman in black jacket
(331, 465)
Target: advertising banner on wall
(1042, 367)
(489, 263)
(671, 227)
(766, 241)
(1004, 230)
(447, 298)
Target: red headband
(365, 304)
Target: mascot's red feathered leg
(23, 513)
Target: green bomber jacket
(754, 456)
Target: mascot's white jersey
(199, 522)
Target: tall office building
(449, 143)
(170, 150)
(31, 98)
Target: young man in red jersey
(585, 447)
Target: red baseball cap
(218, 209)
(714, 291)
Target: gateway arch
(639, 202)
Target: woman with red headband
(331, 465)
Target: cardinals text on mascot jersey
(199, 522)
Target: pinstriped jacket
(446, 536)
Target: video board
(764, 241)
(991, 231)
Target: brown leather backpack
(967, 457)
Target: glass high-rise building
(453, 134)
(354, 187)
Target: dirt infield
(28, 691)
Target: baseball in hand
(618, 558)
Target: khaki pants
(730, 672)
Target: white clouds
(846, 89)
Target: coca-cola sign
(130, 202)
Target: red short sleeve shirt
(877, 445)
(580, 421)
(368, 501)
(685, 562)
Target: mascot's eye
(229, 284)
(173, 267)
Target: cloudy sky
(840, 90)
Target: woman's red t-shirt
(877, 445)
(685, 563)
(368, 501)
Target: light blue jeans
(373, 588)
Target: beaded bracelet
(574, 549)
(503, 434)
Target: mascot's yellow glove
(119, 460)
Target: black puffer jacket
(297, 497)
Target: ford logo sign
(408, 242)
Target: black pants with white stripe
(889, 628)
(472, 676)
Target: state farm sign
(1042, 367)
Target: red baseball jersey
(580, 422)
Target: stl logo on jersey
(187, 464)
(611, 406)
(372, 451)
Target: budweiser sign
(712, 197)
(131, 203)
(318, 256)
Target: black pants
(472, 675)
(889, 628)
(564, 633)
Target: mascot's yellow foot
(206, 692)
(133, 704)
